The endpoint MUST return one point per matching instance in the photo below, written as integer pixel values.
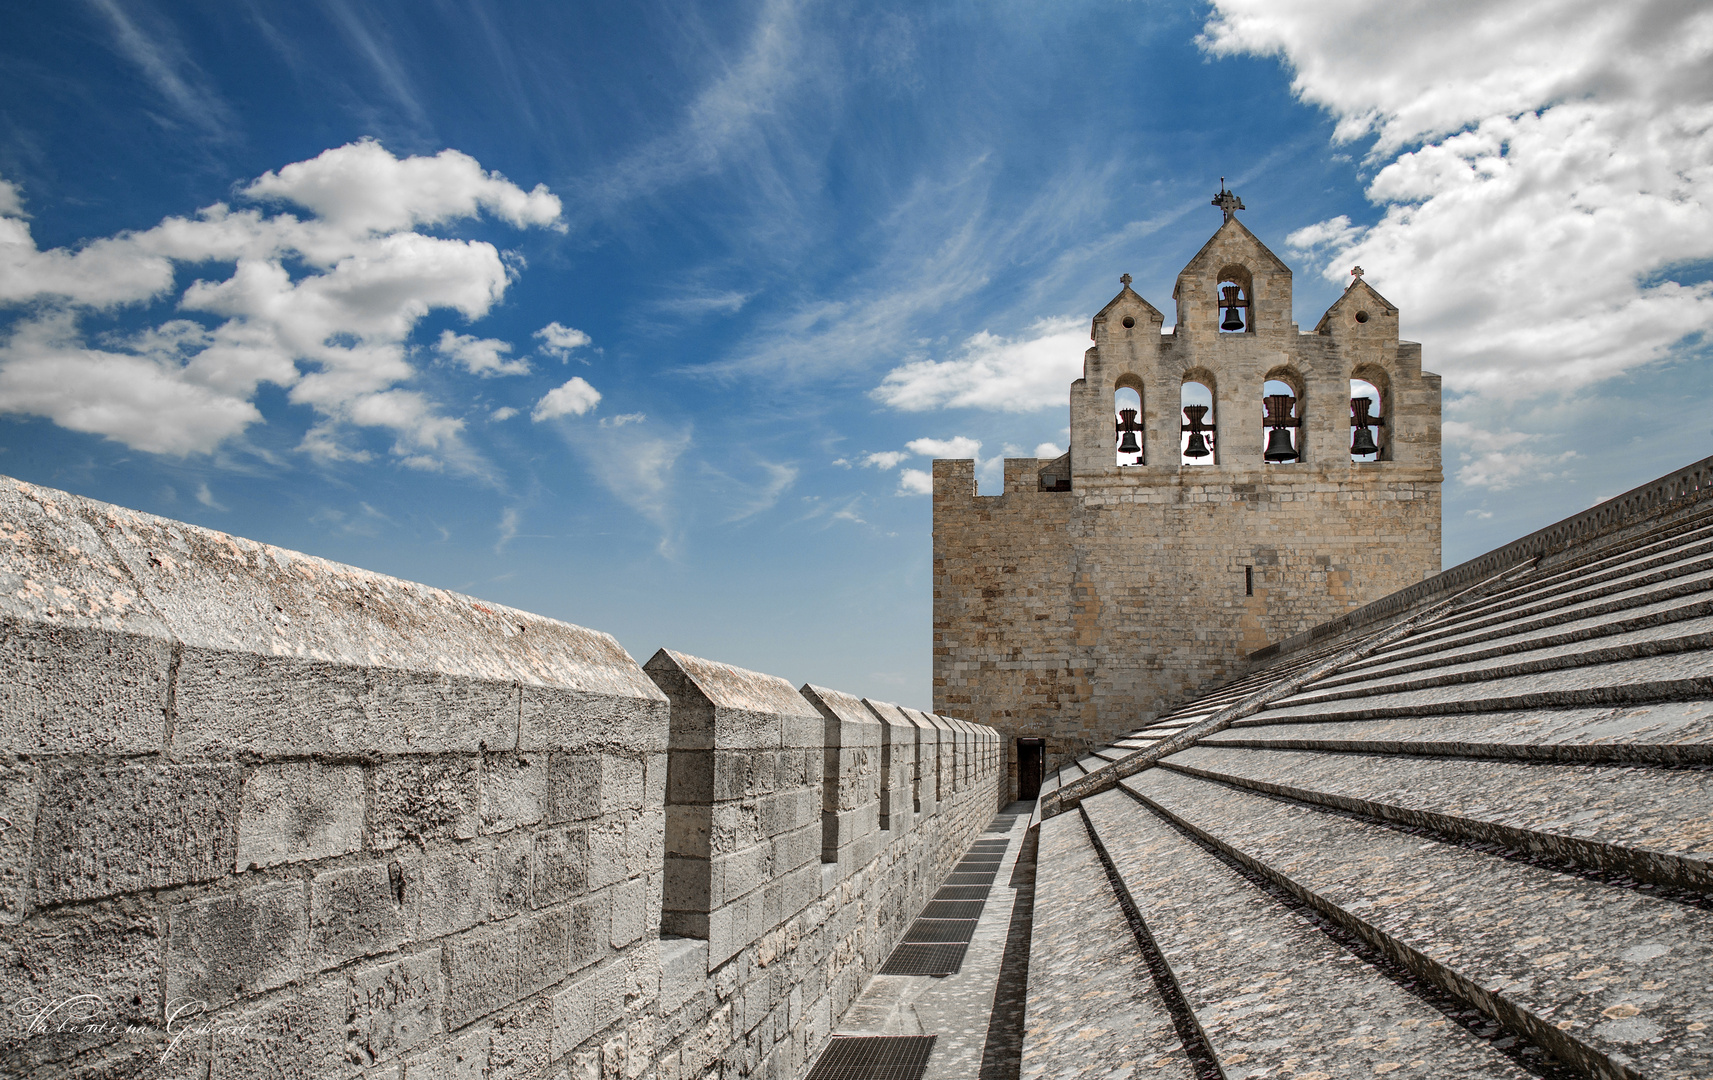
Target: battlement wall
(267, 815)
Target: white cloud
(206, 497)
(480, 356)
(958, 446)
(11, 199)
(557, 340)
(915, 482)
(574, 398)
(884, 459)
(1006, 374)
(1497, 461)
(1048, 450)
(621, 419)
(361, 187)
(332, 328)
(1546, 166)
(143, 401)
(504, 412)
(1335, 232)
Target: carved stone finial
(1124, 279)
(1356, 272)
(1228, 201)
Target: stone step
(1669, 733)
(1647, 822)
(1678, 540)
(1689, 636)
(1201, 708)
(1505, 640)
(1087, 975)
(1638, 603)
(1272, 992)
(1575, 600)
(1610, 979)
(1677, 677)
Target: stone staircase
(1473, 838)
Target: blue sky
(642, 316)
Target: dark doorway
(1031, 754)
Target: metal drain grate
(990, 845)
(981, 858)
(939, 931)
(874, 1057)
(952, 909)
(970, 879)
(962, 892)
(925, 960)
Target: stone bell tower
(1221, 493)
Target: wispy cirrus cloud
(727, 116)
(164, 64)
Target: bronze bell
(1279, 418)
(1362, 442)
(1197, 447)
(1233, 320)
(1128, 427)
(1279, 448)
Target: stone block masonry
(263, 815)
(1090, 595)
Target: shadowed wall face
(338, 822)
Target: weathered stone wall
(266, 815)
(1077, 615)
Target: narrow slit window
(1248, 581)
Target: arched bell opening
(1282, 422)
(1197, 444)
(1367, 421)
(1235, 294)
(1129, 438)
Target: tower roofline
(1231, 224)
(1126, 294)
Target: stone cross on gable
(1228, 201)
(1124, 279)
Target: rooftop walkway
(939, 1011)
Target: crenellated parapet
(339, 824)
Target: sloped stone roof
(1461, 832)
